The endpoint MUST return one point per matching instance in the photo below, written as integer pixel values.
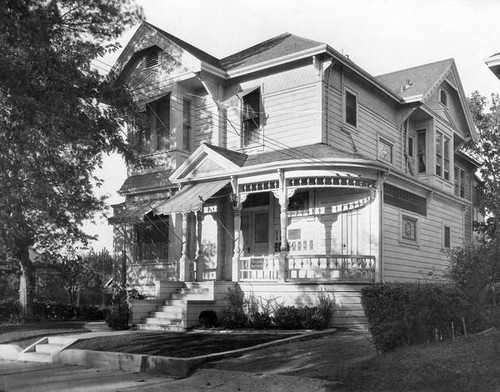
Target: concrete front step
(159, 327)
(163, 314)
(34, 356)
(179, 306)
(49, 348)
(162, 321)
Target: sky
(380, 36)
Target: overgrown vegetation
(119, 314)
(261, 313)
(402, 314)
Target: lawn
(26, 334)
(175, 344)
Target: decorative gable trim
(197, 160)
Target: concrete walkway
(28, 376)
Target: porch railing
(331, 267)
(347, 268)
(259, 268)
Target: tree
(78, 271)
(487, 151)
(57, 117)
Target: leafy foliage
(57, 117)
(119, 314)
(410, 313)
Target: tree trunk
(25, 284)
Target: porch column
(184, 260)
(235, 272)
(282, 195)
(199, 251)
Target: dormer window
(443, 97)
(153, 58)
(251, 118)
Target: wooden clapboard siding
(290, 105)
(403, 261)
(349, 311)
(335, 135)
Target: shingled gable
(147, 36)
(417, 84)
(208, 160)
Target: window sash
(421, 151)
(351, 109)
(250, 118)
(186, 124)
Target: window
(385, 151)
(459, 182)
(186, 124)
(152, 58)
(446, 236)
(409, 228)
(410, 146)
(157, 135)
(443, 97)
(250, 119)
(421, 151)
(351, 109)
(152, 240)
(442, 156)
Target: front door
(255, 228)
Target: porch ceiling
(191, 198)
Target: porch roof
(191, 198)
(133, 212)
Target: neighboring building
(288, 170)
(493, 62)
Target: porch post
(235, 273)
(184, 260)
(199, 256)
(283, 200)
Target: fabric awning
(133, 212)
(191, 198)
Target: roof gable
(419, 84)
(208, 160)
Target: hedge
(411, 313)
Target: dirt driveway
(325, 357)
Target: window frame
(421, 155)
(245, 140)
(459, 184)
(187, 126)
(356, 108)
(443, 93)
(446, 236)
(156, 143)
(386, 142)
(142, 247)
(442, 155)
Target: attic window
(152, 58)
(443, 97)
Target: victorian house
(289, 172)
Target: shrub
(119, 314)
(9, 309)
(234, 315)
(409, 313)
(260, 320)
(288, 317)
(208, 319)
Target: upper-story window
(186, 124)
(442, 156)
(443, 97)
(157, 135)
(351, 108)
(459, 182)
(421, 151)
(251, 129)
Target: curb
(169, 366)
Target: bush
(208, 319)
(410, 313)
(9, 309)
(234, 315)
(288, 317)
(118, 316)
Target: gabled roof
(416, 82)
(493, 63)
(200, 54)
(282, 45)
(146, 182)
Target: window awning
(133, 212)
(190, 198)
